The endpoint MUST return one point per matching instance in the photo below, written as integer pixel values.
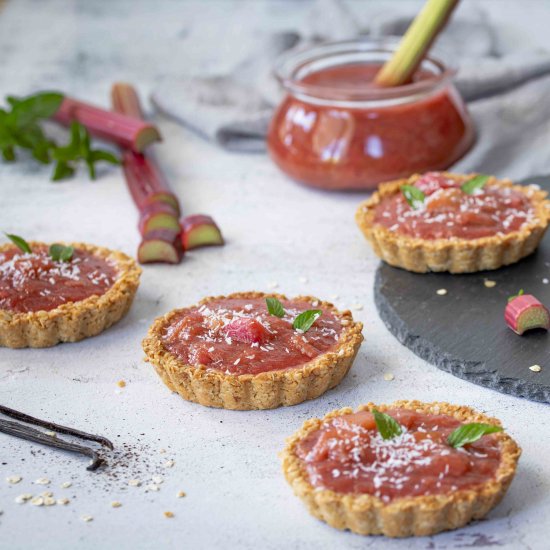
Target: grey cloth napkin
(507, 92)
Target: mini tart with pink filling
(45, 301)
(230, 352)
(497, 225)
(415, 484)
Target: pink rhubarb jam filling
(239, 336)
(448, 212)
(35, 282)
(348, 455)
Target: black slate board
(464, 332)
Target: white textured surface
(276, 232)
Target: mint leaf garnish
(520, 293)
(414, 196)
(468, 433)
(304, 321)
(275, 307)
(20, 242)
(20, 129)
(472, 185)
(387, 426)
(61, 253)
(79, 149)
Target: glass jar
(336, 130)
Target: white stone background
(276, 231)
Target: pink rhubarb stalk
(126, 131)
(525, 312)
(159, 208)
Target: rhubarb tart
(253, 351)
(61, 293)
(405, 469)
(450, 222)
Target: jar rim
(290, 67)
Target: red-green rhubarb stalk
(158, 207)
(415, 43)
(125, 130)
(524, 312)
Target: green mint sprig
(414, 196)
(20, 129)
(275, 307)
(19, 242)
(78, 149)
(305, 320)
(387, 426)
(302, 323)
(61, 253)
(473, 184)
(468, 433)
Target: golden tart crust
(403, 517)
(453, 255)
(73, 321)
(267, 390)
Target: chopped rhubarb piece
(154, 250)
(160, 245)
(127, 131)
(168, 235)
(160, 220)
(157, 207)
(246, 330)
(164, 197)
(525, 312)
(200, 230)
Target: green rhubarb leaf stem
(468, 433)
(274, 307)
(415, 43)
(387, 426)
(20, 242)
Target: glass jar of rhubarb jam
(336, 129)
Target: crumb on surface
(181, 494)
(441, 292)
(121, 384)
(489, 284)
(42, 481)
(168, 514)
(535, 368)
(13, 479)
(389, 376)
